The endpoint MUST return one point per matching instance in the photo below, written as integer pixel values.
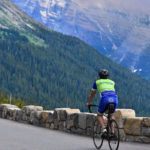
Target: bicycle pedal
(113, 137)
(104, 135)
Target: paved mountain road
(18, 136)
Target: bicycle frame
(110, 126)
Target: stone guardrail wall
(133, 129)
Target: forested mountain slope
(48, 68)
(118, 29)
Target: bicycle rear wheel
(114, 136)
(97, 135)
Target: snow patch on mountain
(122, 58)
(114, 47)
(136, 70)
(43, 13)
(118, 29)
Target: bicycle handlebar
(91, 105)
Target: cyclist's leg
(101, 120)
(101, 109)
(112, 117)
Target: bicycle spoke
(114, 137)
(97, 139)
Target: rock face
(28, 109)
(35, 117)
(125, 113)
(146, 122)
(28, 112)
(122, 114)
(146, 132)
(120, 34)
(72, 120)
(4, 109)
(133, 126)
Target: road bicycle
(112, 135)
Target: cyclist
(108, 95)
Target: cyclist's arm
(92, 94)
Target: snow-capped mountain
(118, 29)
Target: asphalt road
(18, 136)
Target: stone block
(12, 113)
(4, 112)
(89, 131)
(38, 115)
(56, 124)
(45, 116)
(140, 139)
(51, 117)
(62, 125)
(126, 113)
(122, 135)
(82, 120)
(146, 131)
(146, 122)
(15, 115)
(2, 106)
(133, 126)
(32, 117)
(29, 108)
(24, 116)
(72, 111)
(62, 113)
(122, 114)
(70, 124)
(4, 109)
(9, 114)
(72, 120)
(90, 119)
(36, 122)
(18, 115)
(52, 126)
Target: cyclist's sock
(104, 130)
(104, 133)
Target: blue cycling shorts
(107, 97)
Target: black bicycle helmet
(103, 74)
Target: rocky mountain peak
(119, 30)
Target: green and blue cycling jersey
(106, 88)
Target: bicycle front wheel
(97, 135)
(114, 136)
